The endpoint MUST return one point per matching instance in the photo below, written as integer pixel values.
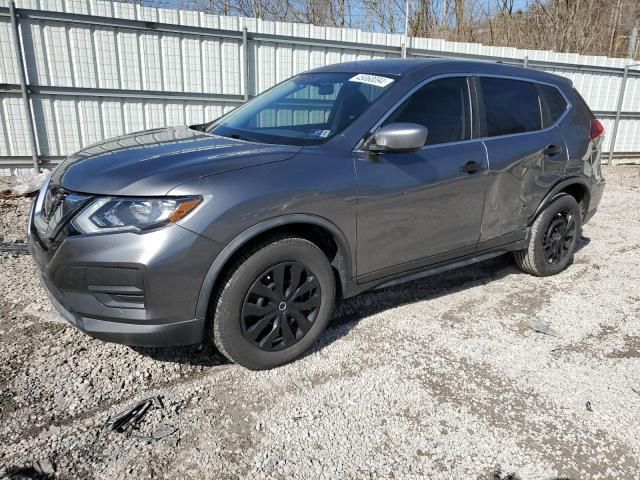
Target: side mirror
(398, 137)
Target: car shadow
(582, 242)
(349, 312)
(206, 355)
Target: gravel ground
(437, 378)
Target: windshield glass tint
(305, 110)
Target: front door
(415, 207)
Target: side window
(582, 108)
(443, 106)
(511, 106)
(554, 102)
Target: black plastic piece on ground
(132, 417)
(18, 247)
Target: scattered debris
(541, 326)
(164, 430)
(589, 408)
(132, 417)
(17, 246)
(44, 369)
(43, 469)
(27, 184)
(498, 474)
(44, 466)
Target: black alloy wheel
(553, 238)
(559, 236)
(274, 302)
(281, 306)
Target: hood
(153, 162)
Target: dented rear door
(522, 169)
(526, 158)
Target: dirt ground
(438, 378)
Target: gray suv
(246, 230)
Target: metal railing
(616, 124)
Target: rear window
(554, 102)
(582, 107)
(511, 106)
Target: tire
(555, 230)
(249, 297)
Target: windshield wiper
(236, 136)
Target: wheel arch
(577, 187)
(317, 229)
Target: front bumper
(136, 289)
(187, 332)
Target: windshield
(305, 110)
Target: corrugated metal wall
(101, 69)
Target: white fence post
(245, 53)
(17, 42)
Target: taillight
(596, 130)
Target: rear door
(527, 156)
(415, 207)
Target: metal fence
(74, 72)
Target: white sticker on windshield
(376, 80)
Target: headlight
(118, 214)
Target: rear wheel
(554, 236)
(274, 303)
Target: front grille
(54, 211)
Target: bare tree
(603, 27)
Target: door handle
(552, 150)
(470, 167)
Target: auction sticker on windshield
(321, 133)
(376, 80)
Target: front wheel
(554, 237)
(274, 303)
